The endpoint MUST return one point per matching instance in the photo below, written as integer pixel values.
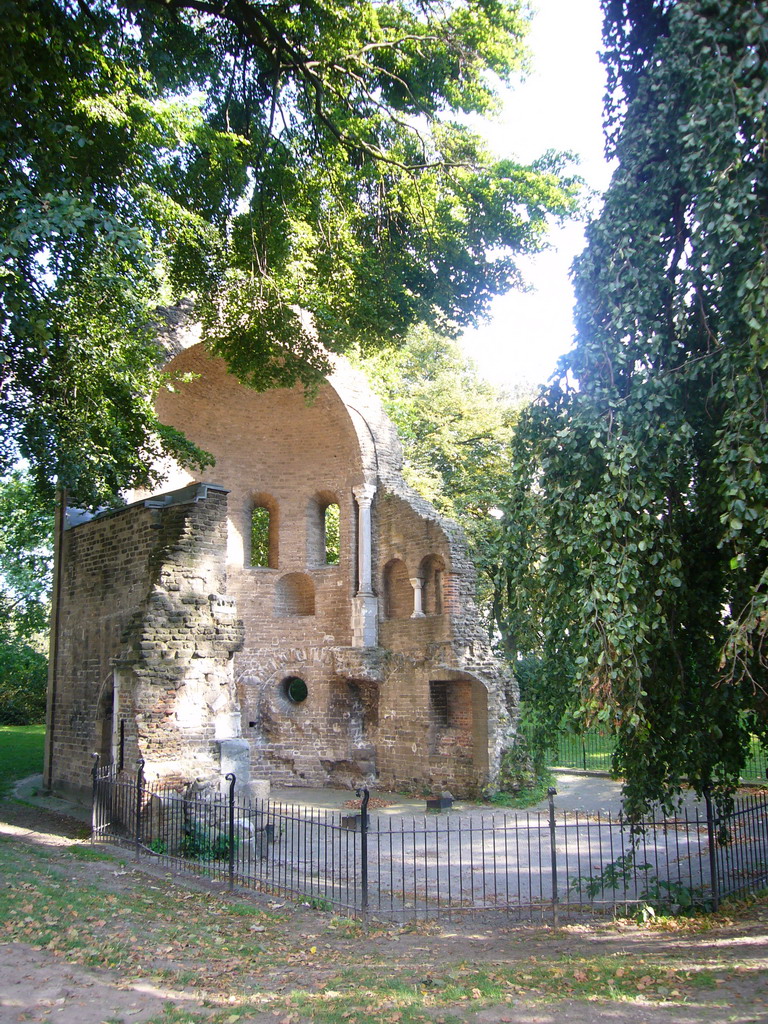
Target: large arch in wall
(378, 446)
(278, 443)
(458, 712)
(368, 432)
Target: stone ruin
(298, 617)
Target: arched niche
(458, 719)
(398, 592)
(432, 572)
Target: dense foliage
(635, 533)
(26, 557)
(23, 683)
(25, 582)
(456, 430)
(265, 158)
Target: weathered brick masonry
(312, 667)
(146, 639)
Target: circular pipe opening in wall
(295, 689)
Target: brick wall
(146, 637)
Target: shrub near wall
(23, 682)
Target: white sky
(559, 106)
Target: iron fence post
(139, 789)
(94, 797)
(231, 779)
(712, 851)
(552, 793)
(364, 850)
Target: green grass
(756, 768)
(592, 752)
(21, 753)
(234, 960)
(527, 797)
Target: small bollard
(552, 793)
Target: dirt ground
(719, 967)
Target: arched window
(263, 533)
(324, 530)
(431, 572)
(294, 595)
(331, 533)
(398, 592)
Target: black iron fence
(531, 866)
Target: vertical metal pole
(552, 792)
(712, 852)
(94, 797)
(231, 779)
(139, 789)
(364, 851)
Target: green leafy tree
(23, 683)
(456, 429)
(25, 582)
(26, 558)
(300, 170)
(635, 531)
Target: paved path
(576, 792)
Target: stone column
(366, 606)
(364, 496)
(418, 610)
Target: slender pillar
(366, 605)
(418, 610)
(364, 496)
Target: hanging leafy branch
(300, 170)
(635, 535)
